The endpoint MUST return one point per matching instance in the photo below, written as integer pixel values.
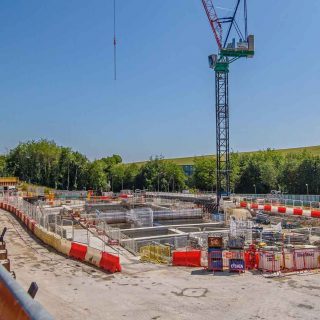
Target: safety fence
(282, 197)
(162, 254)
(289, 260)
(267, 261)
(295, 211)
(28, 213)
(175, 241)
(15, 303)
(155, 253)
(280, 202)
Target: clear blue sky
(56, 77)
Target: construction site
(154, 243)
(142, 254)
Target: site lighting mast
(223, 28)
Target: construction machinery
(229, 51)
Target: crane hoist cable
(114, 41)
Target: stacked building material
(215, 257)
(236, 248)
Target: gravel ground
(72, 290)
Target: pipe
(15, 303)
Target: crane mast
(228, 53)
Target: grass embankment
(190, 160)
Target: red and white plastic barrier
(81, 252)
(281, 209)
(186, 258)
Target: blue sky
(56, 77)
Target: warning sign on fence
(227, 254)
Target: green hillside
(189, 160)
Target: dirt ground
(72, 290)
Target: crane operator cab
(241, 49)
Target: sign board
(236, 265)
(215, 242)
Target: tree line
(45, 163)
(263, 171)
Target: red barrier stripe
(243, 204)
(78, 251)
(297, 212)
(110, 262)
(315, 214)
(105, 198)
(187, 258)
(254, 206)
(267, 207)
(282, 209)
(31, 225)
(27, 221)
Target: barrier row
(81, 252)
(281, 209)
(266, 261)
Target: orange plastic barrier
(9, 306)
(282, 209)
(110, 262)
(315, 214)
(187, 258)
(243, 204)
(297, 212)
(267, 207)
(254, 206)
(78, 251)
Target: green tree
(204, 176)
(117, 174)
(97, 178)
(158, 174)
